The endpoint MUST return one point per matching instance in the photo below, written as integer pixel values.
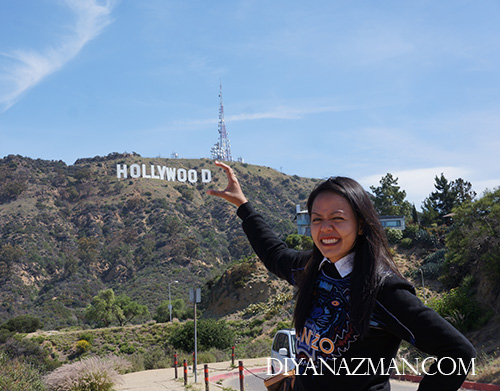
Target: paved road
(253, 383)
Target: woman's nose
(326, 225)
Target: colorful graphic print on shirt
(328, 332)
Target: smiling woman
(352, 303)
(334, 227)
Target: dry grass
(91, 374)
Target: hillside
(68, 231)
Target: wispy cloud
(281, 112)
(27, 67)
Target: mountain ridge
(68, 231)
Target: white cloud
(281, 112)
(28, 67)
(418, 183)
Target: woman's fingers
(232, 192)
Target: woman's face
(334, 227)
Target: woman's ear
(360, 229)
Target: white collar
(344, 265)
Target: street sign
(192, 296)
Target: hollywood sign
(162, 172)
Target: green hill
(69, 231)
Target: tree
(389, 199)
(463, 191)
(446, 196)
(103, 309)
(474, 244)
(129, 309)
(9, 255)
(211, 334)
(179, 311)
(299, 242)
(414, 214)
(23, 324)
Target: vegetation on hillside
(69, 232)
(80, 248)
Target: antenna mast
(222, 149)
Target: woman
(353, 307)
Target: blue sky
(319, 88)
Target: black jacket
(330, 343)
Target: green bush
(89, 337)
(426, 239)
(82, 346)
(411, 231)
(394, 235)
(23, 324)
(211, 334)
(5, 335)
(256, 348)
(127, 349)
(241, 272)
(432, 265)
(435, 257)
(406, 243)
(30, 352)
(460, 307)
(299, 242)
(206, 357)
(156, 358)
(16, 375)
(281, 325)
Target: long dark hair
(372, 258)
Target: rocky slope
(125, 222)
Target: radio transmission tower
(222, 149)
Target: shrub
(16, 375)
(127, 349)
(5, 335)
(283, 324)
(29, 352)
(91, 374)
(406, 243)
(211, 334)
(256, 348)
(432, 270)
(89, 337)
(411, 231)
(432, 264)
(435, 257)
(426, 239)
(460, 307)
(241, 272)
(206, 357)
(156, 358)
(82, 346)
(394, 235)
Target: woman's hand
(232, 192)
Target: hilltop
(69, 231)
